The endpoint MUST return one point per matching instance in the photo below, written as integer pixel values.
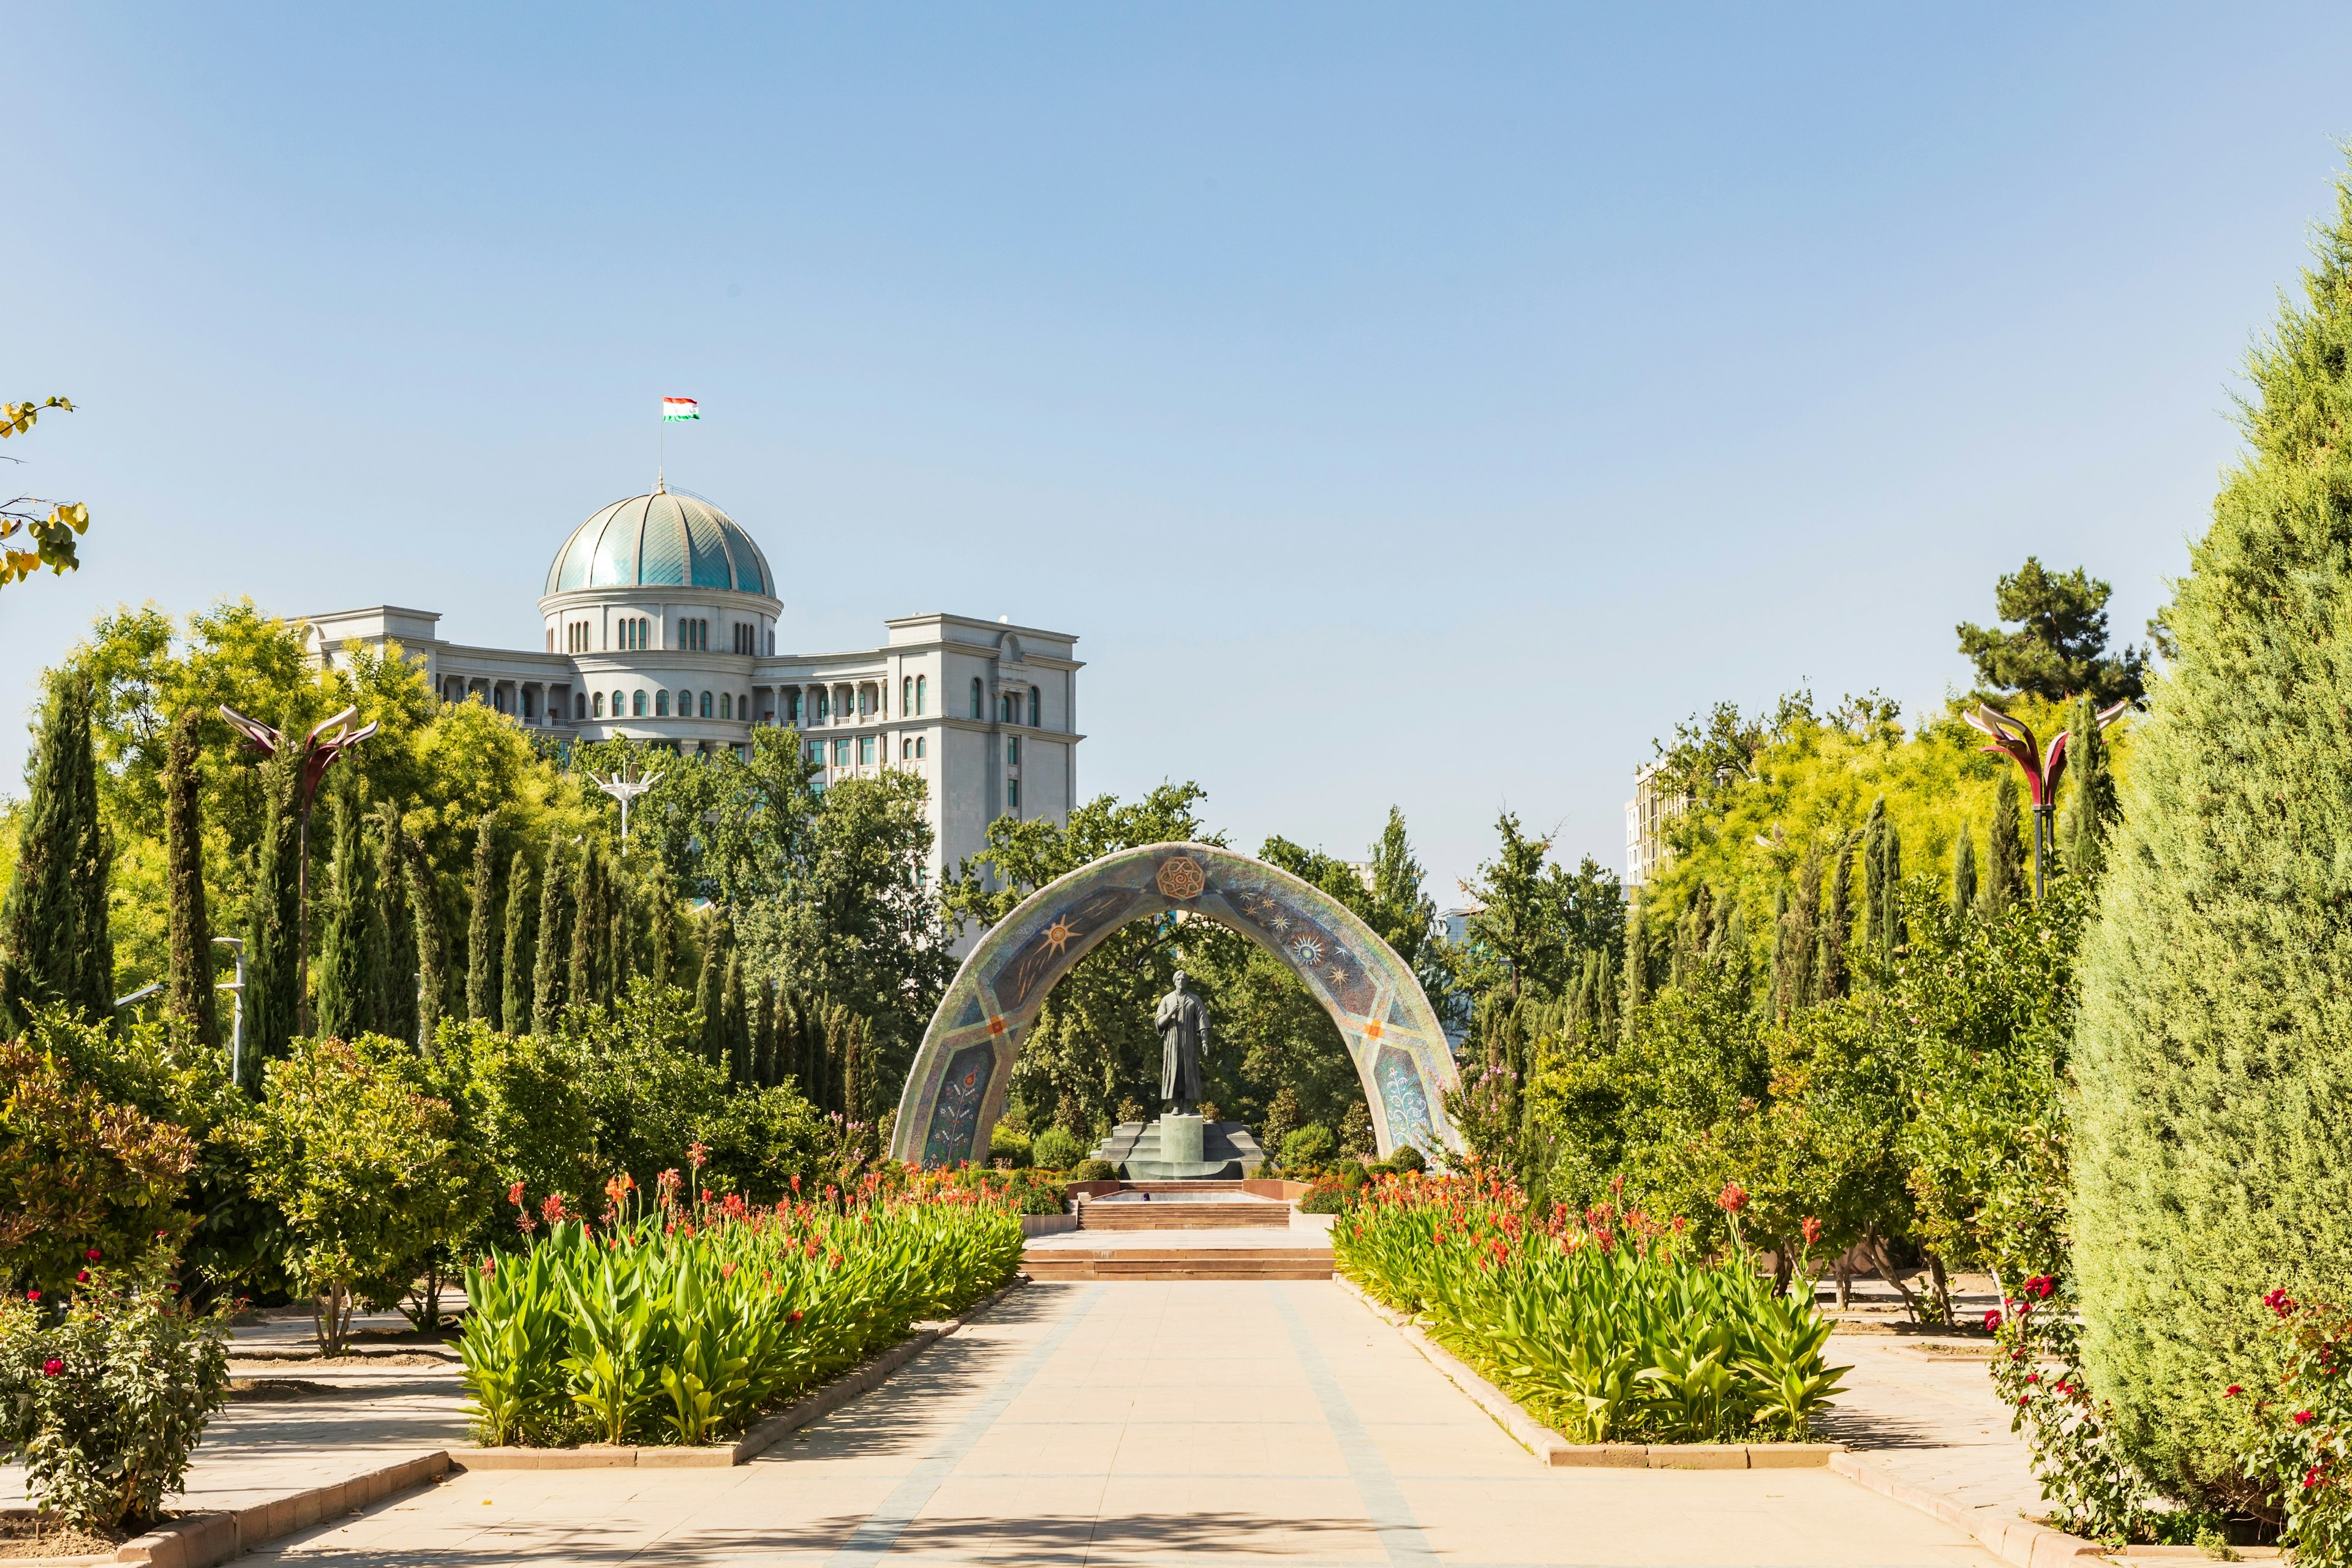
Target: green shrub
(1032, 1194)
(1328, 1195)
(1095, 1170)
(705, 1315)
(106, 1400)
(1307, 1148)
(1006, 1144)
(2212, 1052)
(1404, 1157)
(78, 1173)
(1056, 1149)
(365, 1169)
(760, 1139)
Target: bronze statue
(1184, 1026)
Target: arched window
(920, 682)
(685, 704)
(975, 697)
(600, 705)
(638, 705)
(906, 695)
(727, 705)
(705, 705)
(1034, 710)
(580, 705)
(823, 703)
(921, 747)
(661, 704)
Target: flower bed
(1610, 1328)
(682, 1324)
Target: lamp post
(2043, 770)
(235, 989)
(321, 751)
(625, 789)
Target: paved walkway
(1201, 1423)
(1922, 1409)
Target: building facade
(661, 624)
(1647, 816)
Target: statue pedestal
(1180, 1140)
(1182, 1149)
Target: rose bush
(2294, 1444)
(105, 1395)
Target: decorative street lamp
(320, 752)
(625, 789)
(2042, 770)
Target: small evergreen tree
(188, 993)
(339, 1002)
(551, 961)
(764, 1070)
(2210, 1050)
(272, 921)
(396, 1004)
(737, 1026)
(2004, 880)
(1964, 871)
(710, 992)
(1637, 965)
(591, 927)
(482, 933)
(660, 896)
(521, 958)
(433, 979)
(2093, 804)
(56, 944)
(1837, 929)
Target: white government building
(661, 619)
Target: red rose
(2232, 1392)
(92, 1254)
(2302, 1417)
(51, 1367)
(81, 1276)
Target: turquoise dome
(660, 540)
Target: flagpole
(661, 452)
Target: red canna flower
(1812, 1231)
(1732, 1199)
(514, 1194)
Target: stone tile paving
(1931, 1419)
(1199, 1422)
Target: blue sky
(1423, 405)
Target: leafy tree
(188, 993)
(2058, 651)
(55, 946)
(366, 1169)
(51, 536)
(2212, 1050)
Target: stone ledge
(1553, 1449)
(2015, 1540)
(762, 1436)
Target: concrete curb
(2016, 1541)
(1555, 1450)
(201, 1539)
(820, 1402)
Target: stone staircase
(1173, 1212)
(1144, 1263)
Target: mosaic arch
(960, 1077)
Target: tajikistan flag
(676, 408)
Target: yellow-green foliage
(1814, 780)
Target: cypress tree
(1637, 955)
(710, 994)
(661, 925)
(618, 943)
(2210, 1049)
(432, 944)
(271, 929)
(2093, 805)
(1804, 919)
(1886, 907)
(738, 1041)
(552, 956)
(520, 956)
(1837, 929)
(763, 1037)
(482, 933)
(2004, 880)
(396, 1001)
(54, 931)
(1964, 871)
(188, 993)
(591, 927)
(340, 1008)
(1873, 868)
(1780, 951)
